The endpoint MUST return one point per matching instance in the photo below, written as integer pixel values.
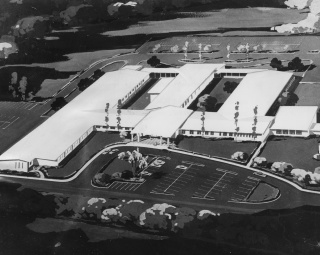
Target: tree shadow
(158, 175)
(35, 77)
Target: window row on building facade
(163, 75)
(132, 91)
(74, 145)
(288, 132)
(212, 133)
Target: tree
(125, 11)
(239, 155)
(84, 83)
(292, 99)
(101, 178)
(207, 102)
(14, 78)
(236, 116)
(260, 161)
(153, 61)
(97, 74)
(203, 118)
(230, 86)
(255, 121)
(135, 158)
(23, 87)
(123, 135)
(107, 115)
(119, 114)
(58, 103)
(276, 63)
(307, 179)
(295, 64)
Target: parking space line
(11, 123)
(124, 186)
(226, 171)
(158, 193)
(111, 185)
(137, 186)
(117, 185)
(193, 163)
(130, 185)
(33, 106)
(132, 188)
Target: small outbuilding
(296, 121)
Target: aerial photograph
(160, 127)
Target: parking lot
(245, 189)
(124, 186)
(28, 106)
(178, 179)
(219, 181)
(7, 120)
(183, 178)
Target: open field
(81, 60)
(221, 148)
(308, 94)
(209, 21)
(296, 151)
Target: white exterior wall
(195, 93)
(133, 91)
(17, 165)
(153, 96)
(75, 144)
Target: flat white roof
(56, 134)
(190, 77)
(160, 85)
(162, 122)
(256, 89)
(216, 122)
(295, 117)
(129, 118)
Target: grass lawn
(50, 86)
(297, 151)
(84, 153)
(212, 20)
(308, 94)
(263, 192)
(219, 93)
(220, 148)
(80, 60)
(117, 165)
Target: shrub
(282, 167)
(207, 102)
(153, 61)
(260, 161)
(295, 64)
(58, 103)
(230, 86)
(276, 63)
(241, 156)
(126, 174)
(101, 178)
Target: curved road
(290, 197)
